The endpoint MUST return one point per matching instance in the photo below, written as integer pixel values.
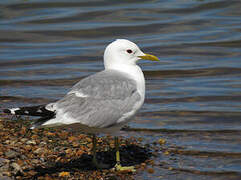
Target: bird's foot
(118, 167)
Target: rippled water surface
(193, 96)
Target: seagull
(102, 102)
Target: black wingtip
(7, 111)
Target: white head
(124, 52)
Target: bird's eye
(129, 51)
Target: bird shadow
(130, 155)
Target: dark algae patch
(130, 155)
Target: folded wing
(102, 100)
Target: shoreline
(52, 154)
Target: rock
(11, 154)
(42, 143)
(64, 174)
(35, 161)
(31, 142)
(39, 151)
(6, 173)
(4, 165)
(5, 178)
(3, 161)
(13, 142)
(31, 172)
(24, 140)
(161, 141)
(28, 147)
(16, 168)
(23, 157)
(150, 170)
(7, 142)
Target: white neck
(135, 72)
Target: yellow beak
(149, 57)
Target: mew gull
(102, 102)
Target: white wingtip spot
(13, 110)
(50, 107)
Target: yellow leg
(118, 166)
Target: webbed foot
(118, 167)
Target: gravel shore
(61, 154)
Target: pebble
(35, 161)
(39, 151)
(16, 168)
(31, 142)
(42, 143)
(11, 154)
(7, 142)
(161, 141)
(4, 164)
(24, 140)
(64, 174)
(5, 177)
(23, 157)
(150, 170)
(32, 173)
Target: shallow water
(193, 96)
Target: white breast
(133, 72)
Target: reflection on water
(193, 94)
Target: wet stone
(11, 154)
(24, 140)
(4, 164)
(39, 151)
(5, 177)
(31, 142)
(23, 156)
(16, 168)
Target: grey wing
(108, 84)
(99, 100)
